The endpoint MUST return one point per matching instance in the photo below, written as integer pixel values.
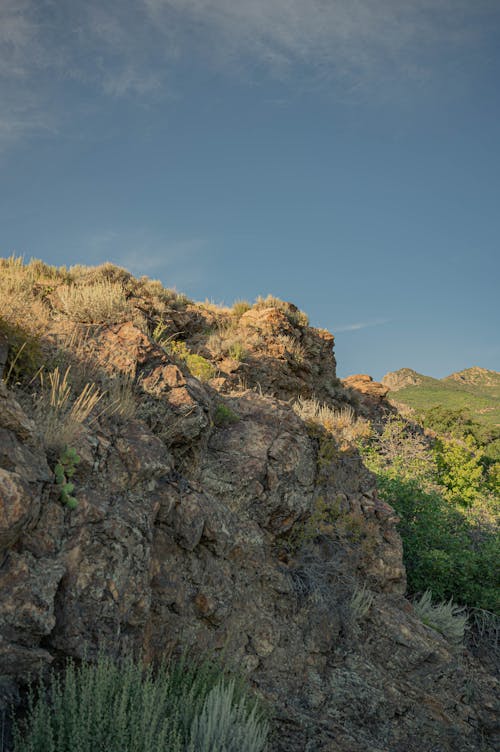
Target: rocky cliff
(210, 514)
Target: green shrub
(224, 415)
(122, 707)
(444, 551)
(446, 618)
(199, 366)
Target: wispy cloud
(131, 48)
(360, 325)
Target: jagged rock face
(396, 380)
(193, 533)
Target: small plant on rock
(224, 415)
(64, 471)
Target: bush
(446, 618)
(102, 302)
(199, 366)
(226, 724)
(122, 707)
(444, 550)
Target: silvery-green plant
(445, 617)
(228, 724)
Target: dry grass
(342, 424)
(293, 314)
(226, 343)
(121, 398)
(240, 307)
(294, 348)
(360, 603)
(103, 302)
(60, 416)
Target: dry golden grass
(293, 314)
(60, 417)
(294, 348)
(342, 424)
(121, 398)
(103, 302)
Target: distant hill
(474, 389)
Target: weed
(236, 351)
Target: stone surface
(192, 532)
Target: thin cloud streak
(361, 325)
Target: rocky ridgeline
(214, 518)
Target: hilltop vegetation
(475, 390)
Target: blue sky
(342, 155)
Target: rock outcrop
(395, 380)
(193, 530)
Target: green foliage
(446, 618)
(224, 415)
(459, 470)
(458, 424)
(442, 493)
(444, 551)
(24, 356)
(199, 366)
(63, 471)
(123, 707)
(237, 351)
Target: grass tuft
(103, 302)
(446, 618)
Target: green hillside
(475, 390)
